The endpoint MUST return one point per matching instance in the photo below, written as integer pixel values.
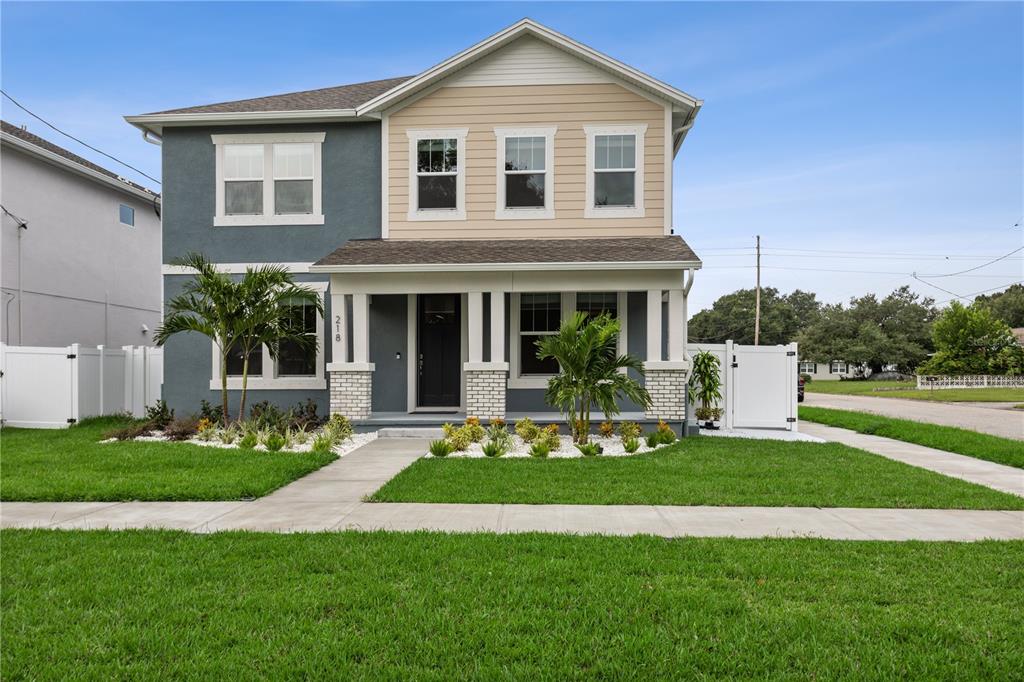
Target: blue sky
(888, 134)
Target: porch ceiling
(424, 255)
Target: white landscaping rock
(357, 440)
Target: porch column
(486, 382)
(350, 382)
(666, 379)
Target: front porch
(433, 341)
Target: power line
(983, 291)
(72, 137)
(978, 267)
(856, 272)
(850, 257)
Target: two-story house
(449, 219)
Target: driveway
(1007, 423)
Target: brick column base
(666, 382)
(351, 389)
(485, 389)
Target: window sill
(524, 214)
(437, 214)
(614, 212)
(529, 381)
(279, 383)
(264, 220)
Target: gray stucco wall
(351, 197)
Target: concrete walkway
(331, 499)
(1005, 423)
(999, 476)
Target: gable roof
(33, 144)
(369, 100)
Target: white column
(339, 327)
(676, 329)
(497, 326)
(654, 325)
(361, 328)
(476, 326)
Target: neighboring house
(81, 249)
(449, 219)
(829, 371)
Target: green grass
(907, 389)
(71, 464)
(166, 605)
(948, 438)
(697, 471)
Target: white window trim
(457, 213)
(220, 219)
(804, 364)
(547, 212)
(517, 380)
(129, 206)
(637, 211)
(268, 379)
(838, 367)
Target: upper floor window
(437, 181)
(126, 215)
(525, 173)
(615, 171)
(269, 179)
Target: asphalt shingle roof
(33, 139)
(493, 251)
(338, 97)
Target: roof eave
(520, 267)
(156, 122)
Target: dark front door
(440, 355)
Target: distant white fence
(925, 381)
(50, 388)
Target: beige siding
(528, 61)
(570, 107)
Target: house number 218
(337, 327)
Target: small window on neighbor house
(838, 367)
(293, 178)
(295, 359)
(808, 367)
(539, 315)
(615, 170)
(126, 215)
(525, 172)
(243, 179)
(236, 361)
(437, 165)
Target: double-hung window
(437, 182)
(838, 367)
(295, 359)
(525, 172)
(595, 303)
(807, 367)
(269, 179)
(615, 171)
(539, 315)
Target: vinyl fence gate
(759, 384)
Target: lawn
(151, 604)
(697, 471)
(948, 438)
(71, 464)
(907, 389)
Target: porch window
(597, 303)
(539, 316)
(268, 179)
(525, 173)
(437, 174)
(615, 161)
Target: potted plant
(705, 387)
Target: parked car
(800, 390)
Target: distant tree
(1007, 305)
(971, 340)
(732, 317)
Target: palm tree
(239, 315)
(590, 372)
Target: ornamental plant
(705, 383)
(527, 430)
(440, 448)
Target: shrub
(206, 432)
(227, 436)
(631, 445)
(550, 440)
(606, 429)
(339, 428)
(181, 429)
(130, 432)
(323, 443)
(653, 440)
(213, 414)
(440, 448)
(629, 430)
(704, 414)
(588, 449)
(474, 431)
(460, 439)
(299, 435)
(304, 416)
(501, 436)
(159, 416)
(666, 435)
(274, 441)
(472, 421)
(540, 450)
(204, 424)
(448, 429)
(499, 422)
(493, 449)
(266, 415)
(552, 428)
(248, 441)
(527, 430)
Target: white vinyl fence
(970, 381)
(51, 388)
(759, 384)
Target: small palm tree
(590, 372)
(239, 315)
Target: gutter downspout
(156, 139)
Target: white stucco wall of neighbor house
(84, 276)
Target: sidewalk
(331, 499)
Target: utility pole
(757, 297)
